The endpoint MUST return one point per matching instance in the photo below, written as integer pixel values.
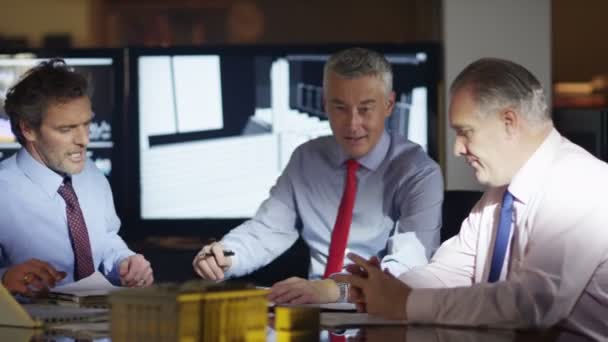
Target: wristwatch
(343, 288)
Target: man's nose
(460, 148)
(354, 119)
(82, 136)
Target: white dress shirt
(557, 269)
(397, 212)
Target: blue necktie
(502, 236)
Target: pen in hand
(226, 253)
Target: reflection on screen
(215, 131)
(101, 75)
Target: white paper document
(354, 319)
(94, 285)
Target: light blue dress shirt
(33, 222)
(397, 213)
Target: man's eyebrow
(366, 102)
(75, 125)
(461, 127)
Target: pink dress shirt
(555, 270)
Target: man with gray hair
(362, 189)
(533, 252)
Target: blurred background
(577, 49)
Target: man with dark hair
(58, 221)
(361, 189)
(533, 252)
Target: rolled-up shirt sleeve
(454, 262)
(417, 235)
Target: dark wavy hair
(48, 83)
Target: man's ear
(28, 132)
(511, 121)
(390, 104)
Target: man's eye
(468, 133)
(464, 133)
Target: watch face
(343, 292)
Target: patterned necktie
(79, 235)
(339, 235)
(502, 236)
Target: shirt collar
(38, 173)
(526, 180)
(374, 157)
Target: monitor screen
(103, 68)
(216, 126)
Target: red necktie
(79, 235)
(336, 338)
(339, 235)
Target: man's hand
(135, 271)
(30, 277)
(296, 290)
(382, 294)
(355, 295)
(210, 263)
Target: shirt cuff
(394, 267)
(114, 274)
(419, 278)
(421, 306)
(121, 257)
(233, 271)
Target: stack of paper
(90, 291)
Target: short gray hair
(357, 62)
(497, 83)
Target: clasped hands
(374, 290)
